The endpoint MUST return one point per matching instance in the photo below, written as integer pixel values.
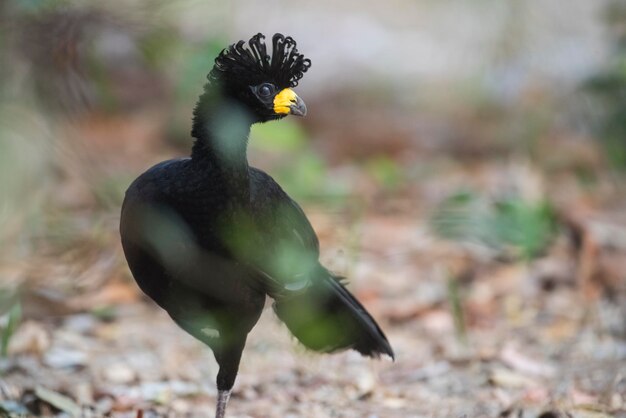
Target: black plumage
(208, 237)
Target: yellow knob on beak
(287, 102)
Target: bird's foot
(222, 399)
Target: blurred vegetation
(511, 226)
(10, 316)
(456, 301)
(609, 87)
(299, 168)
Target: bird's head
(247, 74)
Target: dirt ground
(476, 333)
(452, 163)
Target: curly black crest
(251, 63)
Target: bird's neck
(221, 130)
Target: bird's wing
(275, 237)
(276, 240)
(316, 307)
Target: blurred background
(462, 162)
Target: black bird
(208, 237)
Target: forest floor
(477, 329)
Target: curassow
(208, 237)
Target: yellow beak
(287, 102)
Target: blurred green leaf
(461, 216)
(456, 305)
(13, 318)
(526, 226)
(283, 135)
(506, 225)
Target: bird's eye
(265, 90)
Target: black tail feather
(328, 318)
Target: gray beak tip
(298, 108)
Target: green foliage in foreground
(511, 226)
(301, 171)
(10, 316)
(609, 88)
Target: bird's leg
(222, 400)
(228, 357)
